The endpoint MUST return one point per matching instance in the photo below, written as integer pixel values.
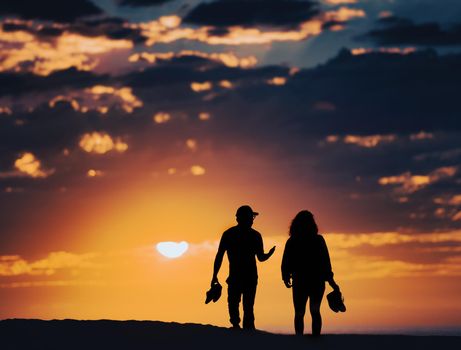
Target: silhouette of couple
(305, 268)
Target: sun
(172, 250)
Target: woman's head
(303, 224)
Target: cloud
(380, 254)
(15, 265)
(124, 95)
(422, 135)
(281, 124)
(192, 144)
(24, 52)
(161, 117)
(201, 86)
(229, 59)
(52, 10)
(278, 81)
(411, 183)
(100, 98)
(389, 50)
(142, 3)
(451, 200)
(168, 29)
(94, 173)
(340, 2)
(101, 143)
(197, 170)
(370, 141)
(27, 165)
(30, 165)
(274, 13)
(401, 31)
(21, 84)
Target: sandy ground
(105, 334)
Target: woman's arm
(328, 270)
(286, 266)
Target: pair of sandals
(335, 298)
(336, 301)
(214, 293)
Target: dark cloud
(191, 68)
(143, 3)
(376, 93)
(412, 252)
(113, 28)
(16, 84)
(53, 10)
(280, 13)
(401, 31)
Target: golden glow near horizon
(368, 281)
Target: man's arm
(260, 250)
(218, 260)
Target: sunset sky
(126, 123)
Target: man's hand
(272, 250)
(214, 280)
(287, 282)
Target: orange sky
(102, 263)
(125, 126)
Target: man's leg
(249, 294)
(233, 301)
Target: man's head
(245, 216)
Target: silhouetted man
(242, 244)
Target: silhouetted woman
(305, 267)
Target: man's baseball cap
(245, 210)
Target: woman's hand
(334, 285)
(287, 282)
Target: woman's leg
(299, 302)
(314, 306)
